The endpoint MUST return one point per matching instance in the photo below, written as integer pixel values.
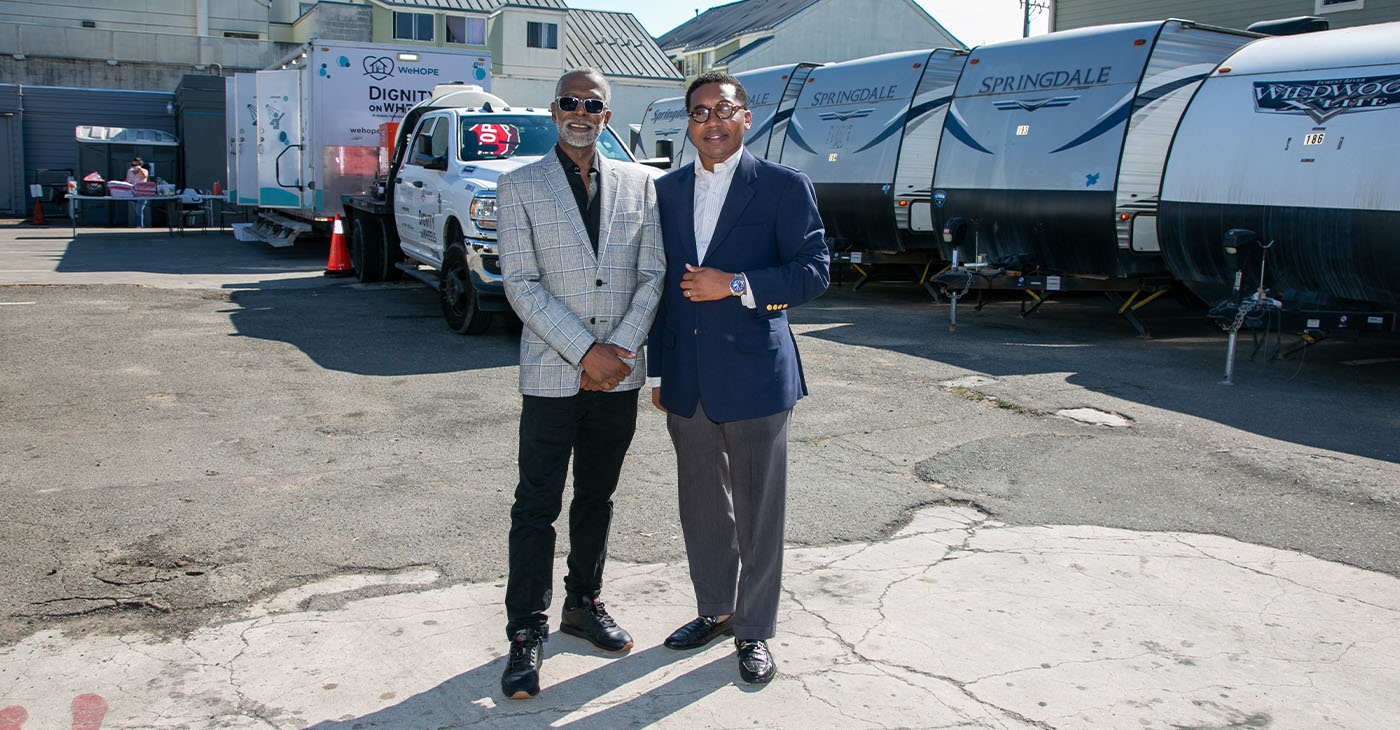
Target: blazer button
(593, 320)
(696, 332)
(598, 282)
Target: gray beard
(580, 139)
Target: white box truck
(311, 130)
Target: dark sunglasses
(570, 103)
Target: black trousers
(595, 427)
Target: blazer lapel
(559, 186)
(740, 192)
(607, 199)
(686, 214)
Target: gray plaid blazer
(567, 296)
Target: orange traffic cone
(39, 213)
(339, 262)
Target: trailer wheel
(459, 299)
(367, 248)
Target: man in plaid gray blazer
(581, 256)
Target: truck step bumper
(276, 230)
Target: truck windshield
(504, 135)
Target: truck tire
(367, 248)
(459, 299)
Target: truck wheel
(367, 249)
(459, 299)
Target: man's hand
(603, 365)
(656, 399)
(705, 284)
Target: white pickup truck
(434, 216)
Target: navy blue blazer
(741, 362)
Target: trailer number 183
(1314, 138)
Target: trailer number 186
(1314, 138)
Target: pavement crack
(106, 603)
(1282, 579)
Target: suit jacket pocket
(759, 342)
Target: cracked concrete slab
(956, 621)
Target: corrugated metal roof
(616, 44)
(482, 6)
(718, 24)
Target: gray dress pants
(732, 479)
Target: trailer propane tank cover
(1237, 238)
(955, 230)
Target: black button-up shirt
(586, 197)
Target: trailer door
(244, 184)
(280, 138)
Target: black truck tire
(367, 249)
(460, 306)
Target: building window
(413, 26)
(541, 35)
(1332, 6)
(235, 34)
(467, 31)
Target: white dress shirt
(711, 188)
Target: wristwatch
(736, 285)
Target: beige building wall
(519, 60)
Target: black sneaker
(521, 679)
(590, 621)
(755, 661)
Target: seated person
(471, 146)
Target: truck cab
(441, 192)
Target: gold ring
(687, 293)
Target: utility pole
(1030, 7)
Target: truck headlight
(483, 211)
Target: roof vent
(1290, 26)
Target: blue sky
(974, 22)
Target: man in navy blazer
(744, 242)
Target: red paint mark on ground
(12, 718)
(88, 711)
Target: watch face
(736, 285)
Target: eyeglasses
(570, 103)
(722, 110)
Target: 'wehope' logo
(378, 68)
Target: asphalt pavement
(235, 493)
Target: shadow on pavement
(1339, 395)
(475, 697)
(378, 329)
(153, 251)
